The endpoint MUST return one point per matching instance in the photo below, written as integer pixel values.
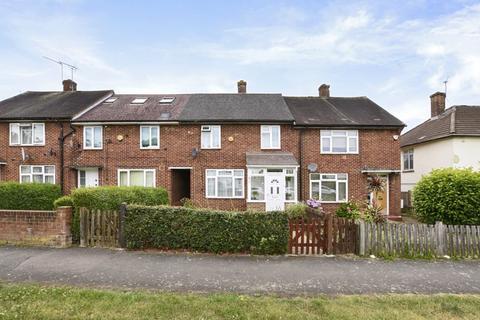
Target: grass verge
(39, 302)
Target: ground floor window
(257, 178)
(329, 187)
(38, 174)
(136, 177)
(224, 183)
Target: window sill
(210, 148)
(407, 171)
(149, 148)
(271, 148)
(340, 153)
(225, 198)
(27, 145)
(92, 148)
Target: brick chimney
(69, 85)
(324, 91)
(437, 102)
(242, 86)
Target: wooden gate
(326, 235)
(99, 228)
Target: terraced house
(228, 151)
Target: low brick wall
(48, 228)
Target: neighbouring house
(227, 151)
(450, 138)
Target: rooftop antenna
(445, 84)
(61, 63)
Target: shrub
(373, 213)
(110, 198)
(448, 195)
(63, 201)
(348, 210)
(297, 210)
(205, 230)
(28, 196)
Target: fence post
(361, 237)
(329, 233)
(440, 238)
(122, 243)
(83, 237)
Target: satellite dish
(312, 167)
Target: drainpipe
(300, 153)
(61, 141)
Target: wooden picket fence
(325, 235)
(99, 228)
(403, 239)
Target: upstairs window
(149, 137)
(27, 134)
(211, 137)
(224, 183)
(93, 137)
(408, 160)
(37, 174)
(270, 137)
(339, 141)
(331, 187)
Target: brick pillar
(64, 220)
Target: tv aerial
(62, 65)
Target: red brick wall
(40, 155)
(36, 227)
(377, 149)
(176, 144)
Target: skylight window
(139, 100)
(111, 100)
(166, 100)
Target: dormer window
(139, 100)
(111, 100)
(166, 100)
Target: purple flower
(312, 203)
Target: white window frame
(150, 140)
(85, 147)
(31, 174)
(32, 125)
(336, 133)
(411, 158)
(337, 181)
(232, 175)
(144, 176)
(268, 129)
(252, 173)
(209, 144)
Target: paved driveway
(245, 274)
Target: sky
(395, 52)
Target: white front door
(88, 177)
(275, 191)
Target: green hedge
(206, 231)
(28, 196)
(63, 202)
(110, 198)
(448, 195)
